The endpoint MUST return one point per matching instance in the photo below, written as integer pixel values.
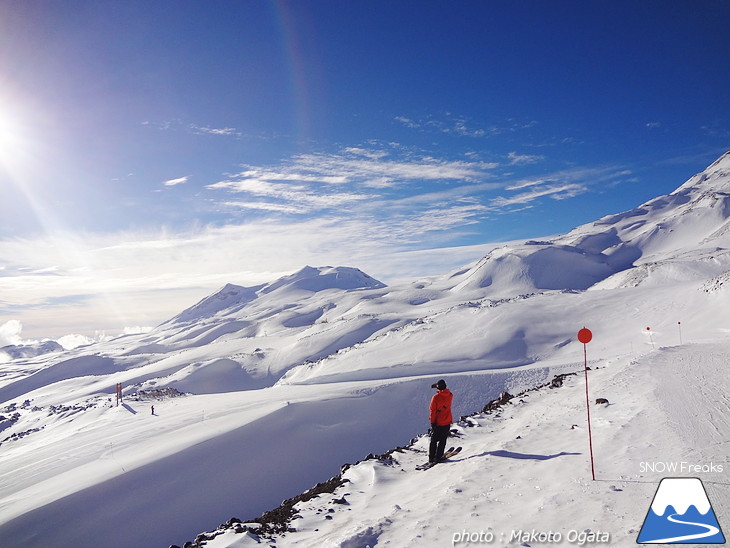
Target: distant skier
(440, 418)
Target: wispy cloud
(408, 122)
(265, 206)
(316, 182)
(559, 185)
(522, 159)
(207, 130)
(358, 165)
(556, 192)
(180, 125)
(296, 198)
(438, 220)
(461, 126)
(402, 195)
(175, 182)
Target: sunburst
(13, 137)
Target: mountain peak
(327, 277)
(715, 178)
(30, 350)
(309, 279)
(694, 216)
(228, 296)
(723, 161)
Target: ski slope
(524, 471)
(261, 392)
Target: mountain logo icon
(680, 513)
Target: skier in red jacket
(440, 418)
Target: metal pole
(588, 411)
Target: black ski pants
(438, 442)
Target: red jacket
(440, 408)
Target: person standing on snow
(440, 419)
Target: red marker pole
(585, 336)
(679, 324)
(651, 340)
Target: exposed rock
(493, 405)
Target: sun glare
(9, 137)
(14, 138)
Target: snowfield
(256, 394)
(525, 469)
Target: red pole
(588, 411)
(585, 336)
(679, 324)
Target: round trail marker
(585, 336)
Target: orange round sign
(585, 335)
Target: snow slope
(525, 469)
(286, 381)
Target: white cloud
(380, 182)
(311, 183)
(10, 333)
(407, 122)
(521, 159)
(371, 154)
(206, 130)
(174, 182)
(439, 219)
(266, 174)
(265, 206)
(358, 167)
(450, 124)
(556, 192)
(177, 124)
(136, 329)
(69, 342)
(461, 128)
(526, 183)
(297, 198)
(559, 185)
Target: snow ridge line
(278, 520)
(422, 322)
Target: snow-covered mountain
(16, 351)
(671, 232)
(256, 393)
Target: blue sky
(152, 151)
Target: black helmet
(441, 385)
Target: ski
(429, 464)
(447, 455)
(450, 453)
